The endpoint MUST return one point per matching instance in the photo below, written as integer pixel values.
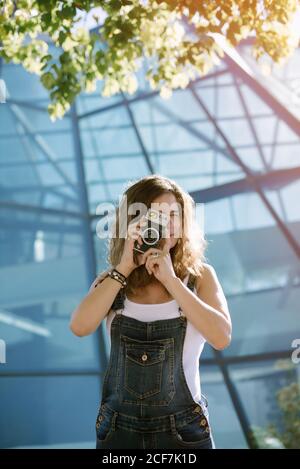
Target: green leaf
(48, 80)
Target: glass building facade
(231, 139)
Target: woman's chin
(173, 241)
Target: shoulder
(208, 267)
(208, 275)
(209, 289)
(208, 283)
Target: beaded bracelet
(116, 275)
(119, 274)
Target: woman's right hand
(127, 263)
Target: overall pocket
(143, 369)
(195, 433)
(146, 371)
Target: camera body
(152, 232)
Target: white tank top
(193, 342)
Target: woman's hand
(161, 266)
(127, 263)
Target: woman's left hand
(161, 266)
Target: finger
(146, 255)
(152, 250)
(148, 267)
(153, 268)
(152, 262)
(149, 261)
(140, 262)
(135, 237)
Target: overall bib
(146, 402)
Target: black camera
(152, 233)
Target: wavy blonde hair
(188, 253)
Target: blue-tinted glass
(48, 410)
(269, 395)
(44, 275)
(265, 321)
(226, 429)
(48, 258)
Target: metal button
(203, 422)
(197, 409)
(144, 357)
(97, 424)
(207, 429)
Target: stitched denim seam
(180, 419)
(109, 366)
(169, 346)
(151, 392)
(191, 443)
(133, 330)
(111, 421)
(156, 325)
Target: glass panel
(258, 255)
(289, 195)
(270, 394)
(265, 321)
(226, 429)
(47, 262)
(44, 275)
(49, 410)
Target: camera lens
(150, 236)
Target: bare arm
(96, 304)
(208, 310)
(89, 314)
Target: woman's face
(167, 203)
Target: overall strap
(191, 281)
(118, 302)
(190, 284)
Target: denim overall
(146, 402)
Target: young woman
(161, 307)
